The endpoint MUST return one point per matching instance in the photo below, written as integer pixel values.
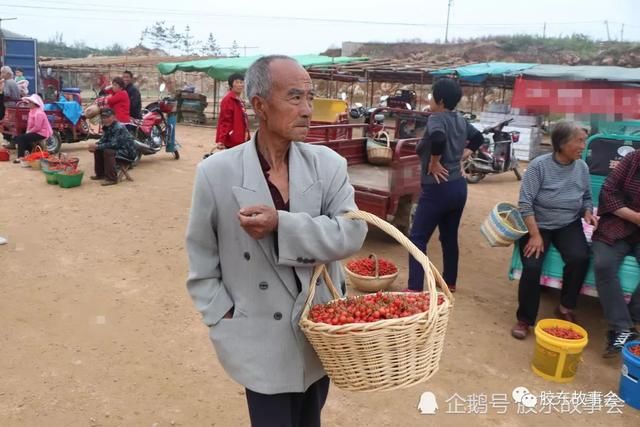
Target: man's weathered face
(287, 110)
(127, 78)
(108, 120)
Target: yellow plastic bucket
(557, 359)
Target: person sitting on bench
(618, 236)
(38, 127)
(116, 143)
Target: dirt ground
(97, 328)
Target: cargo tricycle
(390, 191)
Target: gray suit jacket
(262, 347)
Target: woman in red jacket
(118, 101)
(233, 124)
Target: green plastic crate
(51, 176)
(70, 181)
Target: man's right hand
(534, 247)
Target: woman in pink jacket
(38, 126)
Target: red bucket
(4, 155)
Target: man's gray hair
(562, 133)
(6, 70)
(258, 77)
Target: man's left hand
(591, 219)
(258, 221)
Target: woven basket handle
(382, 133)
(376, 264)
(320, 270)
(431, 274)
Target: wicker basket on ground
(387, 354)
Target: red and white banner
(554, 96)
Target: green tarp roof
(479, 72)
(222, 68)
(583, 73)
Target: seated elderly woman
(555, 194)
(618, 236)
(38, 127)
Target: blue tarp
(477, 73)
(71, 109)
(584, 73)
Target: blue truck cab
(20, 52)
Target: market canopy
(222, 68)
(477, 73)
(583, 73)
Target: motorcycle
(357, 110)
(156, 129)
(496, 155)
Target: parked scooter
(494, 156)
(357, 110)
(156, 129)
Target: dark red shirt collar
(278, 200)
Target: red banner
(554, 96)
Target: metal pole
(351, 97)
(215, 97)
(473, 95)
(6, 19)
(606, 23)
(366, 88)
(371, 94)
(446, 32)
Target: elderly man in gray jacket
(264, 214)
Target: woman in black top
(444, 188)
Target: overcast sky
(269, 26)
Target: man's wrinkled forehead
(287, 75)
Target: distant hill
(57, 48)
(572, 50)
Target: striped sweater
(555, 194)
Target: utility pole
(446, 31)
(544, 31)
(621, 32)
(606, 23)
(6, 19)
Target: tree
(115, 49)
(234, 49)
(174, 38)
(158, 34)
(187, 41)
(57, 40)
(210, 47)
